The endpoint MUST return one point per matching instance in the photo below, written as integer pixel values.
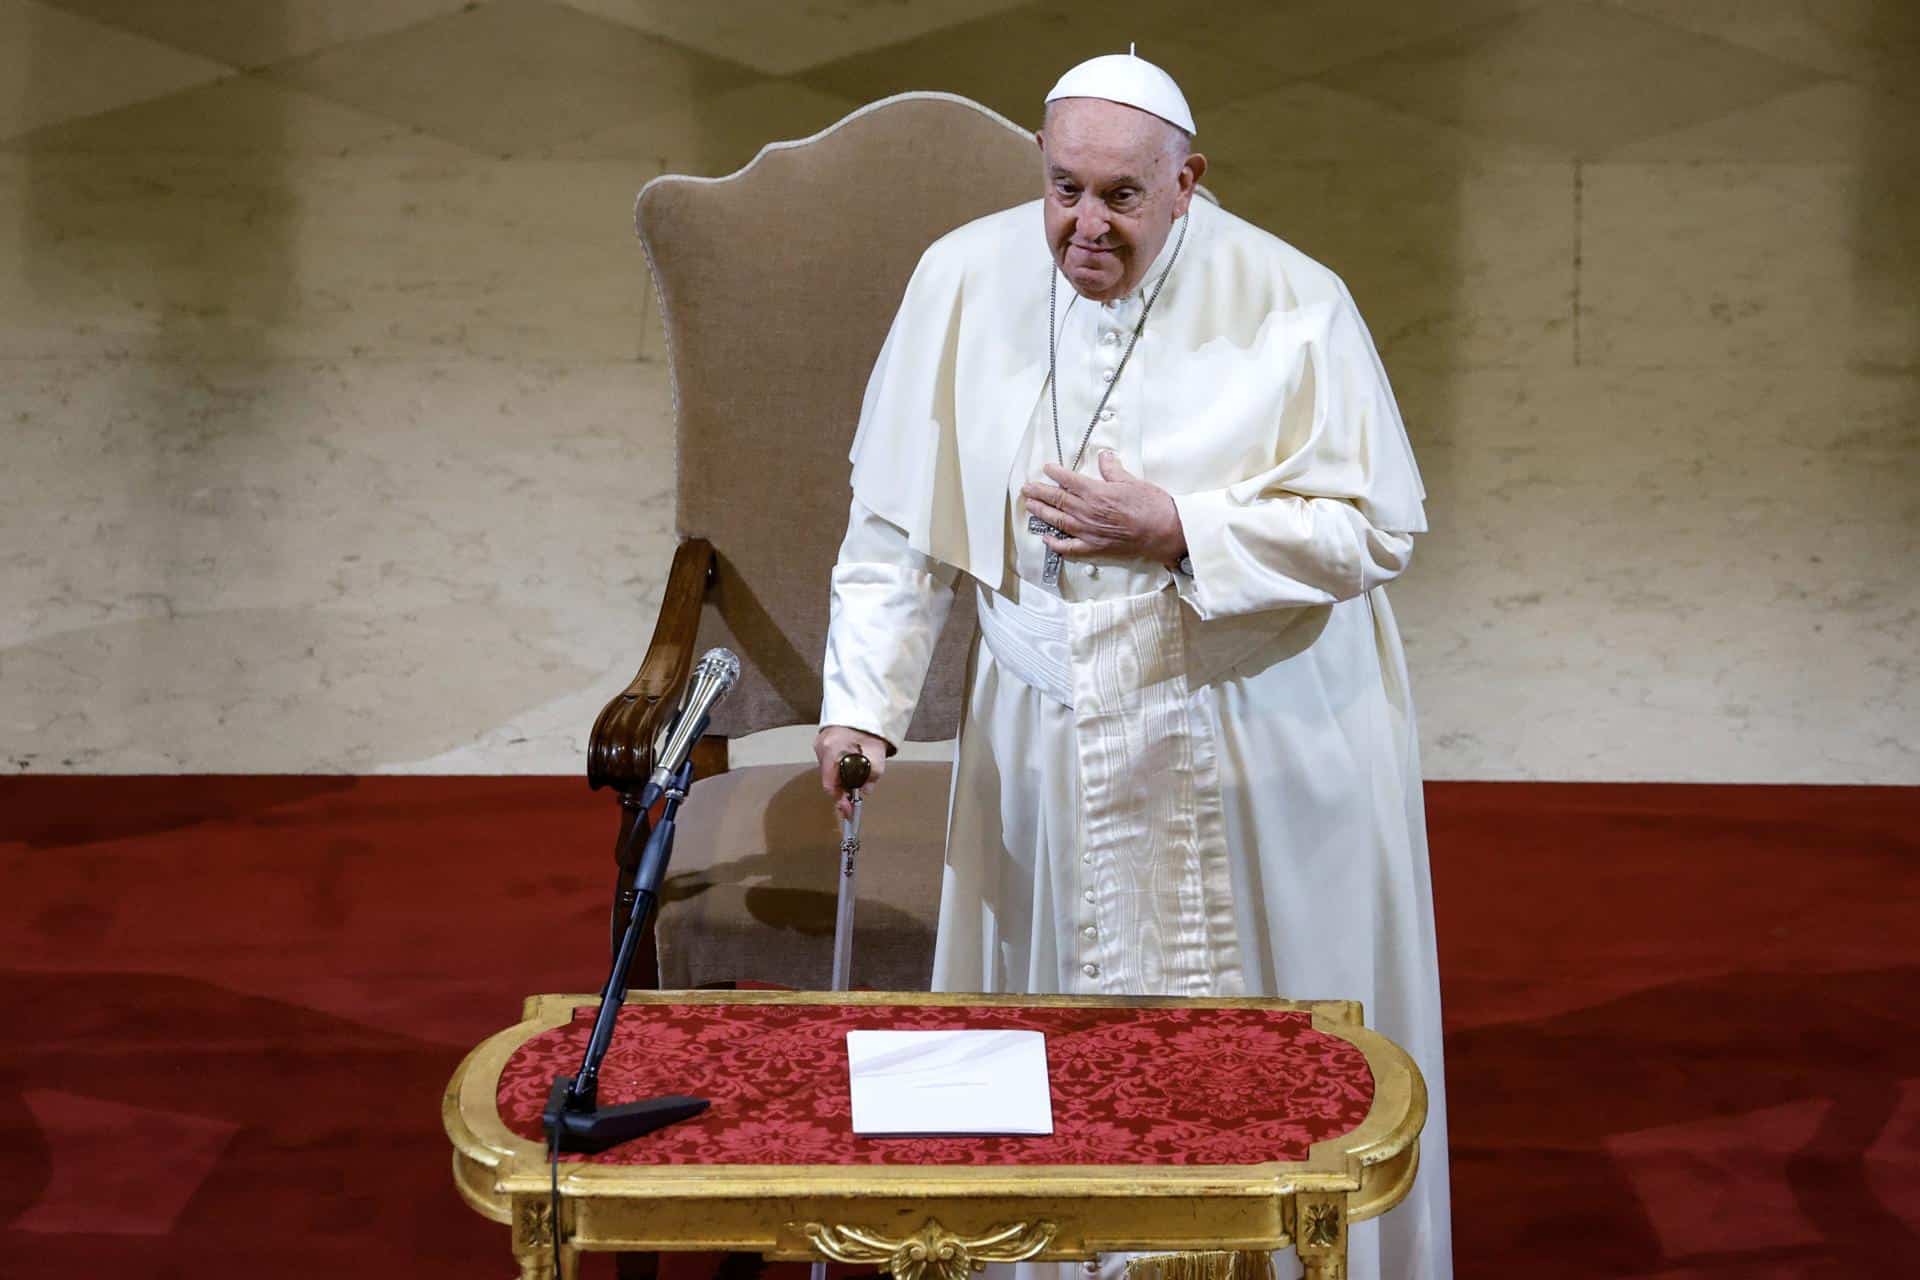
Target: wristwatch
(1185, 567)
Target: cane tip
(855, 769)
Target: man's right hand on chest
(836, 740)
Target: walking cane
(855, 769)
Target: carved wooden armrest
(620, 750)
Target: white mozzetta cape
(1251, 341)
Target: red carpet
(1684, 1022)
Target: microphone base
(588, 1131)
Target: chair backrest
(776, 285)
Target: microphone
(574, 1119)
(712, 678)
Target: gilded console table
(1179, 1125)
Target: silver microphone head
(712, 676)
(719, 665)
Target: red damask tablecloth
(1149, 1086)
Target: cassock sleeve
(889, 603)
(1332, 519)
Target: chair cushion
(751, 893)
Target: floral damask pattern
(1130, 1086)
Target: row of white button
(1109, 338)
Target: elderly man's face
(1117, 181)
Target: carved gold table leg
(533, 1240)
(1320, 1235)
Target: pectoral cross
(1049, 568)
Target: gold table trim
(1064, 1212)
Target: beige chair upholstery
(777, 285)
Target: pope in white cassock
(1157, 445)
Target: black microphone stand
(574, 1120)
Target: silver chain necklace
(1050, 569)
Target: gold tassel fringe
(1213, 1264)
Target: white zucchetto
(1130, 81)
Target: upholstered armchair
(776, 285)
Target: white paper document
(965, 1082)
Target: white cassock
(1203, 785)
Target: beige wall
(336, 429)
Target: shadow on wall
(183, 252)
(257, 540)
(1889, 189)
(179, 254)
(289, 690)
